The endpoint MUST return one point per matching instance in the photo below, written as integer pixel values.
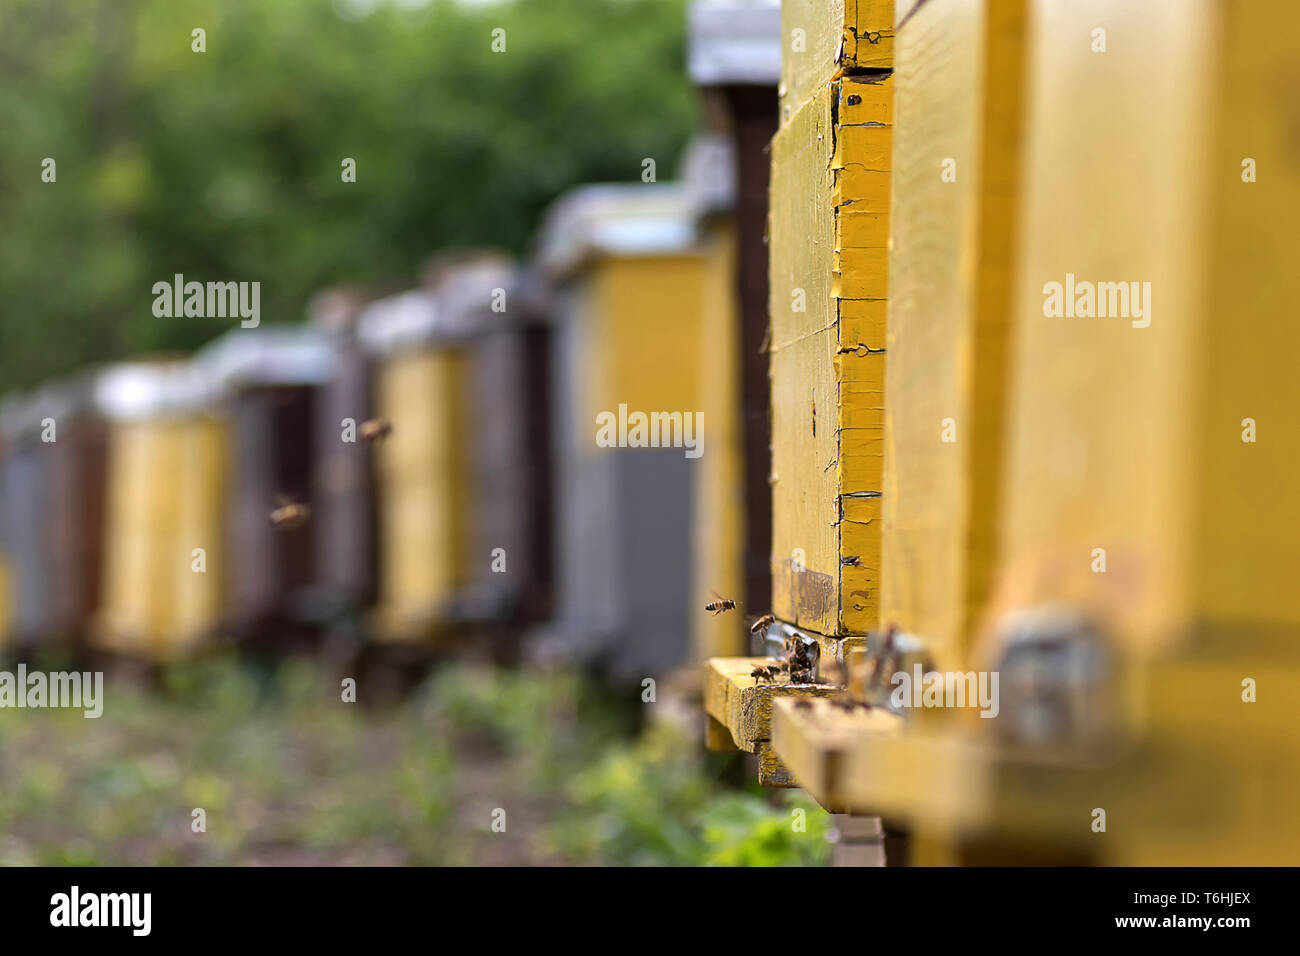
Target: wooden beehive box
(630, 282)
(25, 514)
(165, 481)
(343, 492)
(958, 113)
(829, 285)
(424, 469)
(269, 378)
(1132, 433)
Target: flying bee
(376, 430)
(720, 604)
(762, 624)
(289, 515)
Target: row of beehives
(137, 497)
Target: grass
(285, 772)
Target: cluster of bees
(796, 663)
(290, 515)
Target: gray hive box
(25, 518)
(622, 519)
(343, 481)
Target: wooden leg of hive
(857, 840)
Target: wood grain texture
(735, 699)
(823, 39)
(813, 741)
(959, 92)
(829, 268)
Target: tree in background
(226, 164)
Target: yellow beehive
(1132, 434)
(423, 469)
(829, 237)
(164, 477)
(959, 87)
(821, 39)
(719, 525)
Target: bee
(768, 672)
(797, 660)
(289, 515)
(762, 624)
(720, 605)
(376, 430)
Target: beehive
(631, 280)
(1149, 472)
(829, 285)
(77, 495)
(423, 469)
(343, 487)
(959, 90)
(25, 514)
(269, 378)
(509, 400)
(1132, 433)
(735, 60)
(163, 510)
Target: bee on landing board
(289, 515)
(720, 604)
(376, 430)
(767, 672)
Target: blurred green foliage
(288, 774)
(225, 165)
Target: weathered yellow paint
(741, 704)
(423, 471)
(959, 93)
(829, 254)
(821, 39)
(718, 526)
(164, 498)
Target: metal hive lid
(615, 219)
(735, 42)
(398, 321)
(153, 389)
(21, 414)
(270, 355)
